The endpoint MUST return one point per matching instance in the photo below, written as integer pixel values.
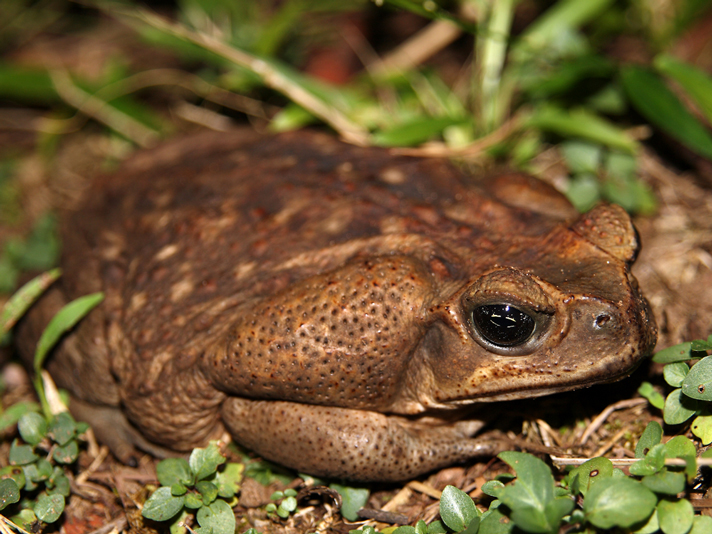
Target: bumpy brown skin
(316, 299)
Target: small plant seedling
(49, 441)
(196, 486)
(692, 391)
(287, 504)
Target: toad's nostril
(602, 320)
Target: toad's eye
(503, 325)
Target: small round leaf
(456, 508)
(32, 427)
(675, 517)
(49, 507)
(9, 492)
(678, 408)
(618, 502)
(698, 382)
(161, 505)
(218, 516)
(352, 499)
(21, 454)
(67, 454)
(174, 471)
(205, 462)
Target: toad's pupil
(502, 324)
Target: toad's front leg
(353, 444)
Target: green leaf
(205, 462)
(680, 447)
(15, 472)
(60, 483)
(178, 489)
(676, 353)
(228, 480)
(207, 490)
(25, 518)
(653, 462)
(493, 488)
(531, 497)
(24, 298)
(495, 522)
(218, 516)
(174, 471)
(177, 524)
(287, 506)
(49, 507)
(67, 454)
(353, 498)
(161, 505)
(64, 320)
(584, 192)
(675, 517)
(44, 470)
(666, 482)
(702, 524)
(406, 529)
(62, 428)
(32, 427)
(647, 390)
(679, 408)
(620, 502)
(21, 454)
(701, 345)
(582, 157)
(565, 14)
(457, 509)
(590, 473)
(652, 435)
(651, 97)
(693, 80)
(702, 428)
(698, 382)
(13, 413)
(583, 124)
(9, 492)
(193, 501)
(414, 132)
(675, 373)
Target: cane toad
(330, 305)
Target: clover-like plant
(49, 440)
(196, 486)
(692, 385)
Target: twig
(601, 418)
(428, 41)
(100, 110)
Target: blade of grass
(563, 15)
(24, 297)
(659, 105)
(694, 81)
(65, 319)
(490, 56)
(583, 124)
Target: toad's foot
(354, 444)
(113, 430)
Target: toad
(332, 307)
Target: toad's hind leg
(352, 444)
